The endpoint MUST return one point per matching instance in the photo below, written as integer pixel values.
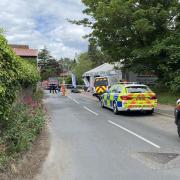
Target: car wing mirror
(178, 101)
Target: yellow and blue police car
(129, 97)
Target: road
(91, 143)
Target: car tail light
(126, 98)
(153, 97)
(178, 107)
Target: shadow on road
(132, 113)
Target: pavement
(166, 110)
(91, 143)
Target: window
(138, 89)
(115, 89)
(118, 89)
(101, 82)
(112, 89)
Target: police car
(129, 97)
(177, 116)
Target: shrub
(15, 73)
(19, 123)
(38, 94)
(175, 85)
(25, 122)
(68, 80)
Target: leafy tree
(44, 55)
(82, 65)
(68, 80)
(66, 63)
(96, 55)
(15, 73)
(144, 33)
(49, 67)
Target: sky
(40, 23)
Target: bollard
(63, 90)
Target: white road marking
(90, 110)
(73, 100)
(76, 101)
(138, 136)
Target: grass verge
(166, 96)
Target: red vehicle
(46, 84)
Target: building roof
(105, 68)
(24, 52)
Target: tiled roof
(25, 52)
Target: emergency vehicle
(51, 81)
(129, 97)
(177, 116)
(101, 84)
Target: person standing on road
(55, 88)
(50, 88)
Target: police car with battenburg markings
(129, 97)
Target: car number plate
(140, 98)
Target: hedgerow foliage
(14, 74)
(25, 121)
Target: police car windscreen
(101, 82)
(137, 89)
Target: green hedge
(25, 122)
(14, 74)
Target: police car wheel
(115, 109)
(150, 112)
(178, 128)
(177, 116)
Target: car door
(110, 96)
(117, 98)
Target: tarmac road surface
(91, 143)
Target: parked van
(102, 84)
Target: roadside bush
(20, 122)
(165, 94)
(175, 85)
(14, 74)
(38, 94)
(25, 122)
(68, 80)
(3, 157)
